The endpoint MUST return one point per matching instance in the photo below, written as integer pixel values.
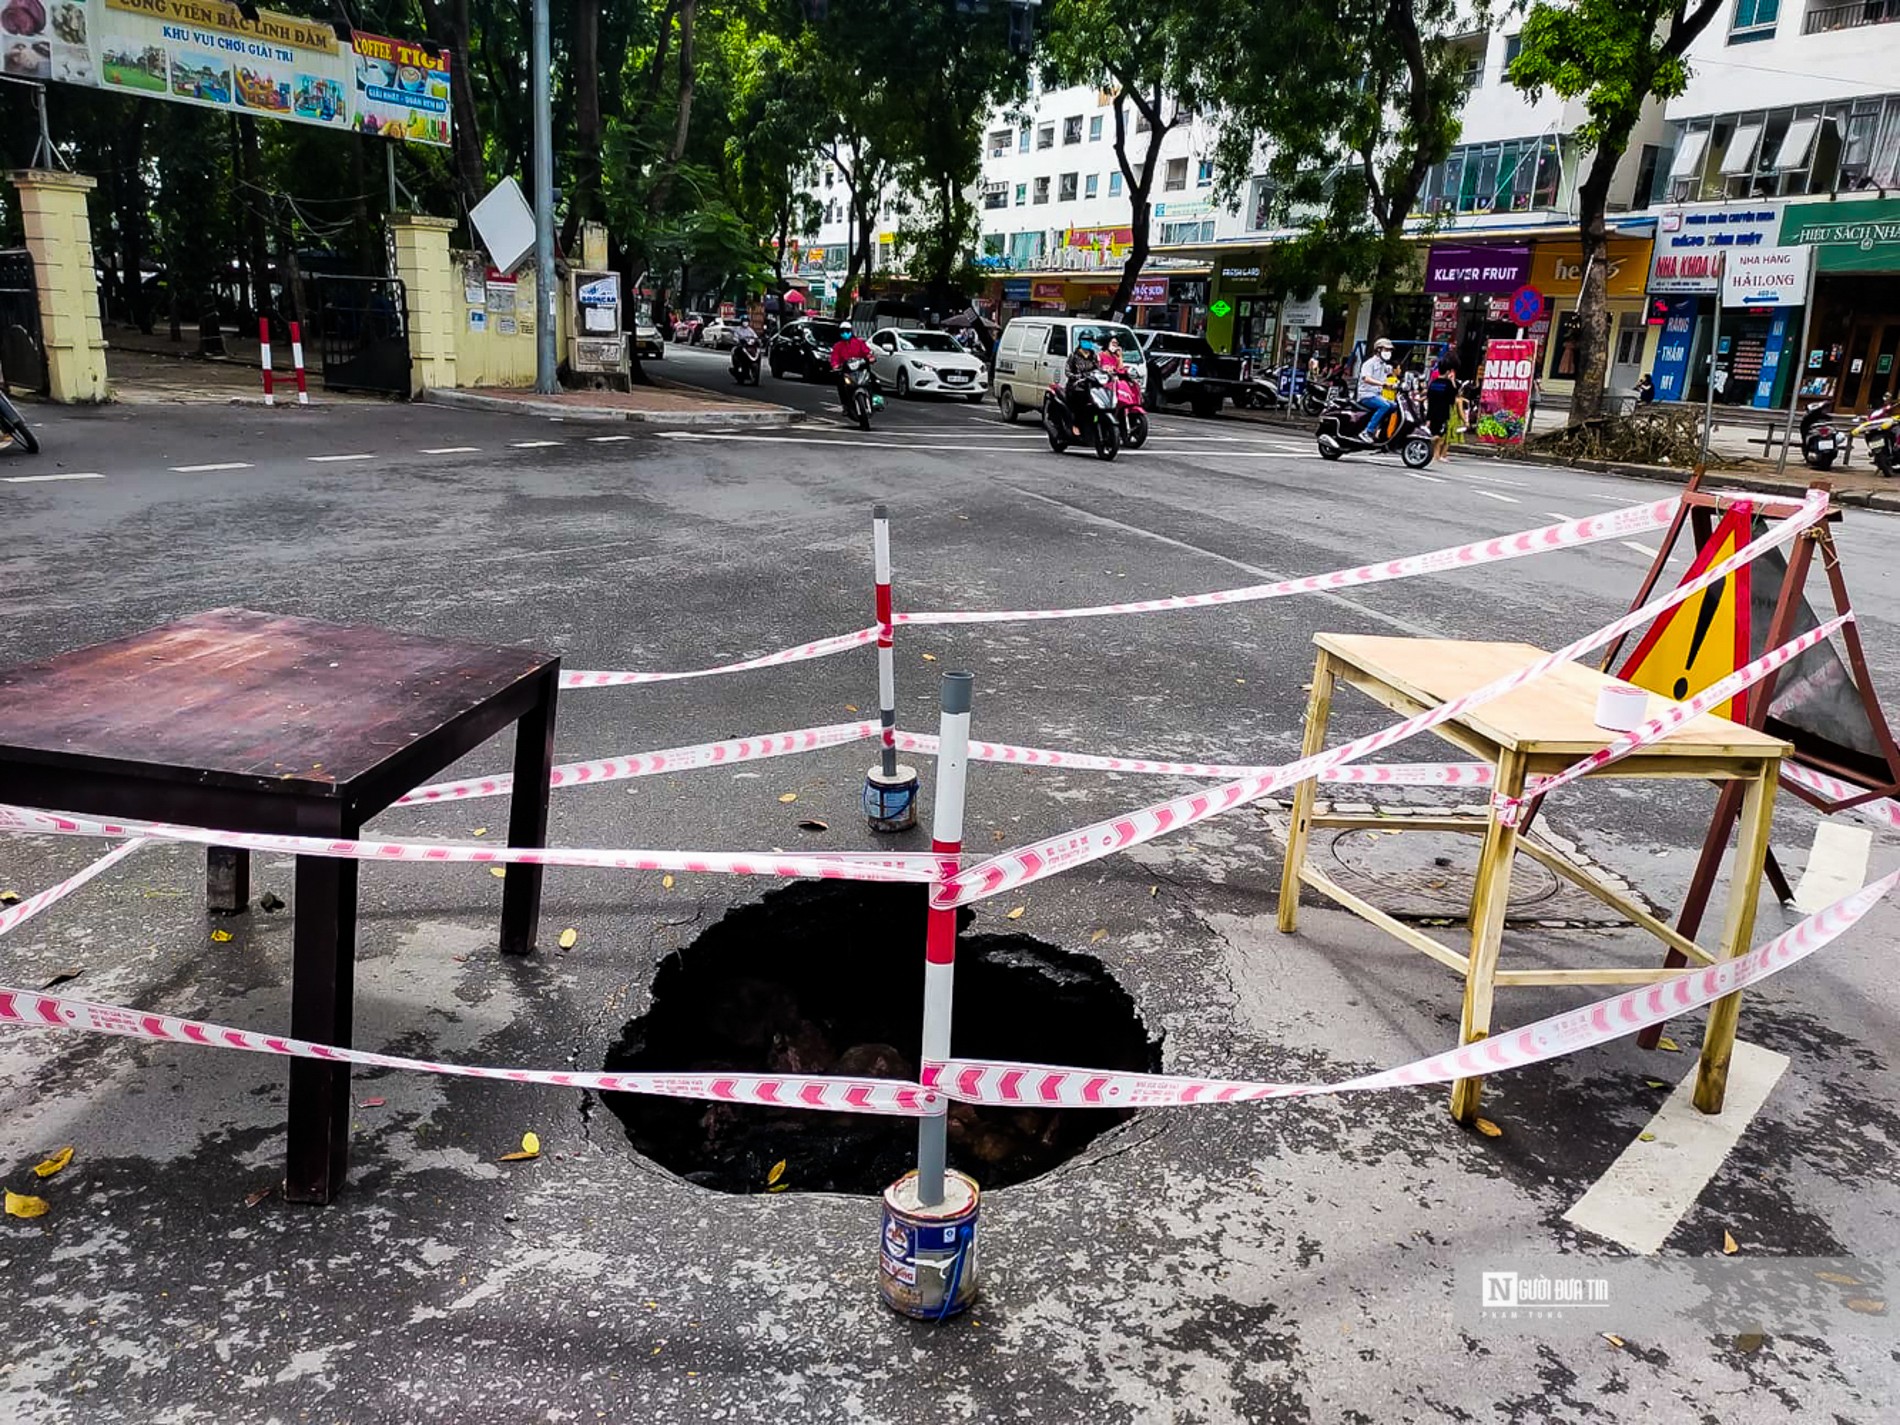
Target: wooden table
(255, 722)
(1533, 731)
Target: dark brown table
(257, 722)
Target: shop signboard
(1046, 291)
(1114, 240)
(1671, 369)
(1766, 277)
(1149, 292)
(1504, 395)
(1690, 242)
(1477, 269)
(1307, 311)
(207, 53)
(1857, 235)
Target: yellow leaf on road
(1613, 1339)
(1837, 1278)
(667, 882)
(850, 707)
(789, 797)
(480, 831)
(20, 1205)
(1668, 1045)
(1866, 1305)
(778, 1187)
(568, 937)
(498, 871)
(1729, 1247)
(530, 1148)
(220, 936)
(930, 658)
(53, 1164)
(1017, 913)
(1488, 1128)
(1098, 937)
(778, 1171)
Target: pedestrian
(1441, 400)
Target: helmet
(844, 329)
(1383, 344)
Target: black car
(802, 348)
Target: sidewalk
(668, 405)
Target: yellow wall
(58, 235)
(488, 357)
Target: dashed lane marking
(1494, 495)
(220, 465)
(1642, 549)
(605, 439)
(1428, 479)
(451, 450)
(332, 459)
(533, 444)
(1836, 866)
(40, 479)
(1558, 515)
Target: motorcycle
(1877, 433)
(854, 391)
(1820, 443)
(1131, 420)
(1091, 418)
(745, 360)
(1404, 432)
(14, 428)
(1260, 388)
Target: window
(827, 178)
(1065, 188)
(1260, 200)
(1174, 176)
(1089, 185)
(1115, 184)
(999, 143)
(1095, 129)
(1058, 341)
(1200, 230)
(1474, 69)
(1204, 174)
(992, 244)
(1688, 160)
(1072, 130)
(1753, 20)
(995, 195)
(1797, 144)
(1514, 176)
(1022, 194)
(1141, 122)
(1046, 136)
(1022, 140)
(1646, 176)
(1042, 190)
(1740, 158)
(1513, 46)
(1854, 13)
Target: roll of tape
(1621, 708)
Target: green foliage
(1611, 54)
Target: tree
(1614, 55)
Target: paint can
(890, 803)
(927, 1255)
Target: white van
(1034, 350)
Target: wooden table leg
(1489, 900)
(528, 818)
(1696, 899)
(322, 1003)
(1319, 707)
(227, 879)
(1751, 849)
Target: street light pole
(544, 359)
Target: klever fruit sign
(1504, 395)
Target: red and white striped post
(296, 361)
(263, 357)
(890, 791)
(940, 932)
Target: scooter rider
(1375, 372)
(744, 338)
(848, 345)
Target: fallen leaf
(812, 823)
(1488, 1128)
(530, 1148)
(1016, 914)
(372, 1103)
(1729, 1248)
(1645, 1137)
(479, 831)
(667, 882)
(1613, 1339)
(1668, 1045)
(1098, 937)
(996, 835)
(9, 897)
(778, 1171)
(778, 1187)
(20, 1205)
(850, 707)
(53, 1164)
(498, 871)
(789, 797)
(1241, 681)
(251, 1199)
(1153, 891)
(220, 936)
(1837, 1278)
(1749, 1342)
(568, 937)
(1866, 1305)
(1654, 1084)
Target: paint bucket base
(890, 803)
(926, 1266)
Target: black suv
(802, 348)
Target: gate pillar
(53, 212)
(433, 285)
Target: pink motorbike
(1129, 415)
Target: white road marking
(331, 459)
(1559, 515)
(1649, 1187)
(221, 465)
(1494, 495)
(1836, 866)
(451, 449)
(40, 479)
(1642, 549)
(532, 444)
(604, 439)
(1428, 479)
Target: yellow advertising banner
(1557, 267)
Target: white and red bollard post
(296, 361)
(263, 358)
(890, 791)
(940, 932)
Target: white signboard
(1305, 311)
(505, 224)
(1690, 243)
(1766, 277)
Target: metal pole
(1708, 398)
(940, 936)
(1800, 366)
(389, 171)
(886, 675)
(543, 206)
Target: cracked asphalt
(1293, 1261)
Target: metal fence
(362, 334)
(22, 350)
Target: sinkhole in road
(829, 979)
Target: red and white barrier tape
(1032, 863)
(1884, 810)
(647, 764)
(831, 865)
(1570, 534)
(821, 648)
(34, 904)
(1043, 1085)
(1511, 809)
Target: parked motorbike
(1404, 432)
(13, 426)
(1820, 443)
(1090, 416)
(1131, 420)
(1260, 388)
(746, 357)
(1877, 433)
(854, 391)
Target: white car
(925, 363)
(717, 333)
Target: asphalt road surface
(1315, 1259)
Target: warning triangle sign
(1705, 637)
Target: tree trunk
(1139, 216)
(248, 166)
(447, 25)
(1593, 305)
(682, 124)
(588, 132)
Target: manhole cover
(1429, 875)
(828, 979)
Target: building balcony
(1851, 16)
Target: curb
(759, 414)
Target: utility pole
(545, 294)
